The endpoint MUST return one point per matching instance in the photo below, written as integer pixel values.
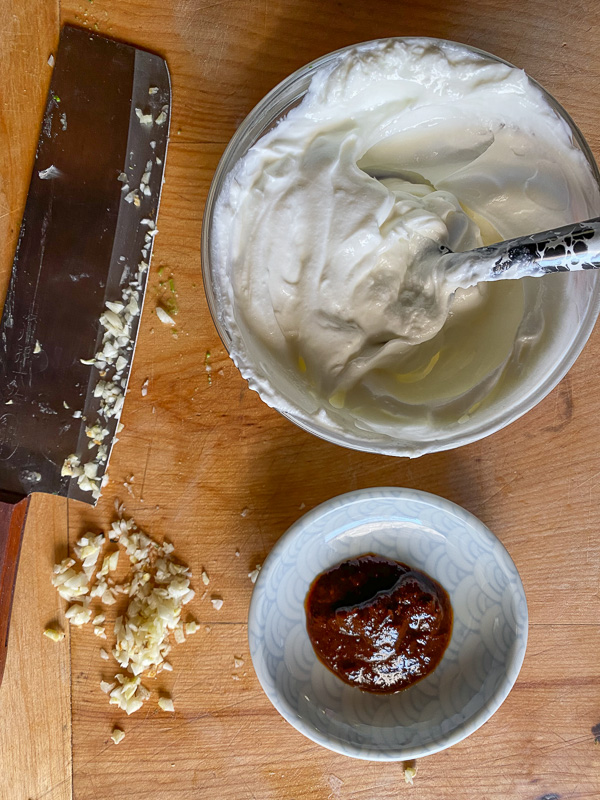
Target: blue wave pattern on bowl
(479, 667)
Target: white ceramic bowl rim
(462, 730)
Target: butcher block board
(213, 469)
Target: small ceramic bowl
(481, 662)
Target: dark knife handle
(12, 525)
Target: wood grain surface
(217, 471)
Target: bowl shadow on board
(345, 24)
(293, 471)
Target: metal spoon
(566, 249)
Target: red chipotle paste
(378, 624)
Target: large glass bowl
(584, 287)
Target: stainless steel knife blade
(86, 239)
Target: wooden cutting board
(216, 471)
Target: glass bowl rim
(448, 440)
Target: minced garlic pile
(157, 587)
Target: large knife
(71, 315)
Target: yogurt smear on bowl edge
(321, 232)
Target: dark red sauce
(378, 624)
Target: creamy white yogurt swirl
(320, 234)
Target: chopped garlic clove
(161, 119)
(117, 735)
(254, 574)
(54, 634)
(108, 598)
(64, 565)
(165, 318)
(133, 705)
(71, 466)
(78, 614)
(409, 774)
(179, 635)
(145, 119)
(166, 704)
(143, 693)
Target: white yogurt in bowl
(322, 213)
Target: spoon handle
(566, 249)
